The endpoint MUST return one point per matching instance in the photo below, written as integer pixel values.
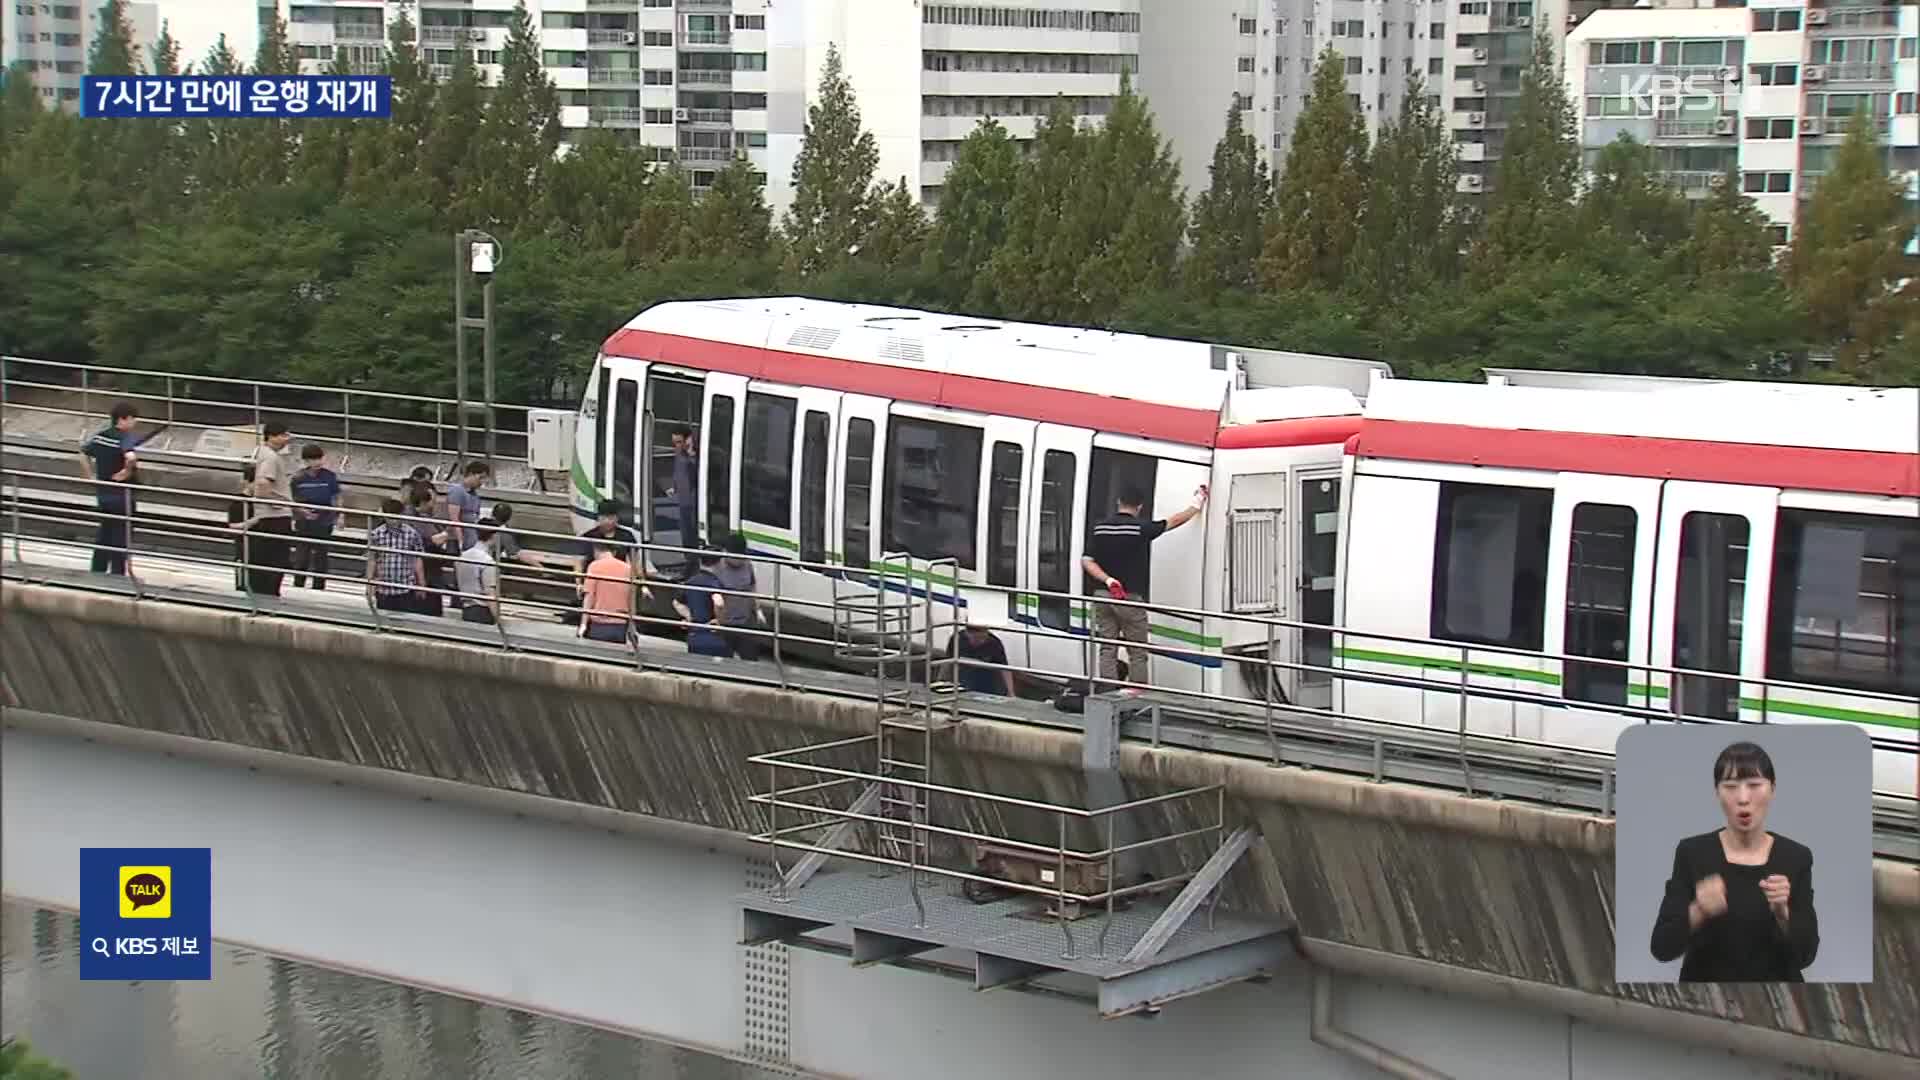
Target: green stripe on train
(1781, 706)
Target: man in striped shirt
(1118, 557)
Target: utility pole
(474, 253)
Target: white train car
(1751, 531)
(838, 434)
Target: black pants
(267, 551)
(110, 538)
(312, 558)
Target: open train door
(1056, 520)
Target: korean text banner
(146, 913)
(335, 96)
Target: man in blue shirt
(109, 452)
(977, 643)
(705, 609)
(686, 485)
(314, 485)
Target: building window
(1767, 183)
(1778, 234)
(656, 116)
(1003, 514)
(1246, 63)
(932, 489)
(766, 467)
(1249, 27)
(1600, 553)
(813, 487)
(657, 38)
(1057, 476)
(749, 22)
(1846, 602)
(1776, 19)
(1436, 66)
(1603, 53)
(1904, 102)
(1436, 31)
(1490, 565)
(720, 468)
(1353, 65)
(857, 510)
(1909, 47)
(1709, 596)
(750, 61)
(1775, 74)
(1777, 127)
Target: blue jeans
(607, 631)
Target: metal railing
(706, 75)
(352, 419)
(614, 76)
(792, 617)
(613, 37)
(1857, 71)
(359, 32)
(707, 37)
(617, 115)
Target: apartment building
(1768, 88)
(54, 38)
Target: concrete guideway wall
(1471, 896)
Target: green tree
(732, 221)
(1318, 204)
(899, 234)
(166, 53)
(970, 222)
(1729, 233)
(1848, 263)
(19, 1062)
(1032, 274)
(1127, 224)
(591, 195)
(389, 159)
(1411, 226)
(1629, 201)
(113, 51)
(1538, 175)
(1230, 216)
(520, 130)
(832, 178)
(19, 104)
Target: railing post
(773, 831)
(86, 394)
(126, 540)
(346, 426)
(913, 859)
(499, 611)
(1060, 886)
(1100, 945)
(1466, 772)
(779, 661)
(169, 400)
(246, 568)
(366, 569)
(1268, 673)
(256, 410)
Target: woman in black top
(1739, 905)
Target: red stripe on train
(1172, 423)
(1303, 431)
(1867, 472)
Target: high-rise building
(54, 38)
(1768, 89)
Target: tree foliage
(1412, 224)
(833, 204)
(970, 223)
(1228, 217)
(1538, 174)
(1316, 213)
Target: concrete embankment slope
(1472, 896)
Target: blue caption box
(146, 913)
(325, 96)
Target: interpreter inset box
(1743, 853)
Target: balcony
(614, 116)
(1473, 151)
(1859, 18)
(1709, 127)
(628, 4)
(1693, 183)
(710, 117)
(613, 37)
(1836, 126)
(706, 3)
(706, 76)
(707, 39)
(720, 155)
(1474, 24)
(359, 32)
(1857, 73)
(450, 35)
(601, 76)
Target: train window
(932, 489)
(626, 409)
(766, 464)
(1599, 600)
(1490, 565)
(813, 487)
(1110, 473)
(1846, 602)
(600, 401)
(1710, 593)
(1003, 515)
(720, 469)
(1057, 474)
(857, 512)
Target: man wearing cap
(1118, 556)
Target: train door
(863, 426)
(1256, 575)
(619, 476)
(1599, 602)
(1057, 508)
(767, 470)
(1003, 521)
(674, 400)
(1710, 597)
(1316, 534)
(720, 430)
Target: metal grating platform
(1013, 942)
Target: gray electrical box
(550, 439)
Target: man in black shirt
(976, 642)
(1118, 556)
(109, 452)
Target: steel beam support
(1190, 898)
(1152, 987)
(998, 972)
(765, 927)
(812, 861)
(871, 947)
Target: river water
(264, 1018)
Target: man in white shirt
(270, 546)
(478, 576)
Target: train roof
(1809, 436)
(1158, 388)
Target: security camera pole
(478, 253)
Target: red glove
(1118, 590)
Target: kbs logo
(1654, 95)
(146, 892)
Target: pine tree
(19, 105)
(970, 221)
(1729, 234)
(1538, 175)
(166, 53)
(276, 54)
(1318, 205)
(113, 51)
(520, 130)
(1032, 273)
(899, 234)
(658, 233)
(592, 194)
(1125, 228)
(1229, 217)
(1411, 229)
(832, 206)
(1848, 262)
(1628, 201)
(268, 145)
(452, 141)
(732, 220)
(388, 159)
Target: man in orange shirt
(608, 596)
